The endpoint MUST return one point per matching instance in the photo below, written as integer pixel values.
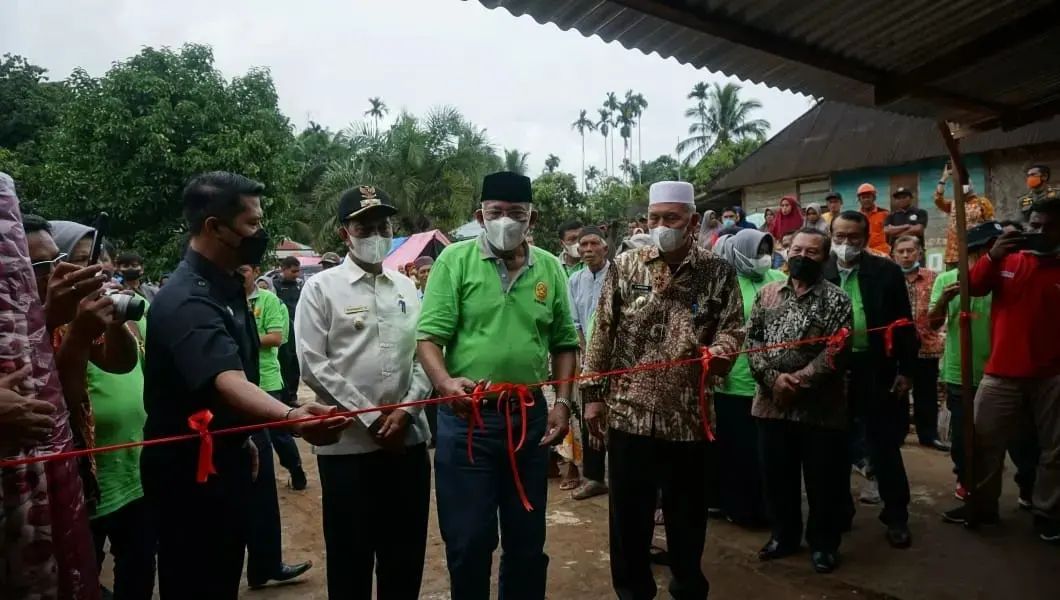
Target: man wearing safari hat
(329, 260)
(495, 310)
(356, 331)
(660, 304)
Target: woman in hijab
(789, 219)
(708, 229)
(750, 252)
(814, 218)
(74, 240)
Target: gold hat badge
(368, 194)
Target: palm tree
(722, 118)
(581, 125)
(551, 163)
(638, 104)
(591, 175)
(613, 107)
(377, 111)
(625, 120)
(604, 126)
(515, 161)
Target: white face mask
(573, 250)
(505, 233)
(846, 253)
(371, 250)
(763, 264)
(668, 239)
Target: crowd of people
(798, 326)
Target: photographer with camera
(99, 357)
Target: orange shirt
(877, 239)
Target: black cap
(902, 191)
(833, 195)
(984, 233)
(507, 186)
(364, 201)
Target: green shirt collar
(488, 254)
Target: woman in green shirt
(751, 252)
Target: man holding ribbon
(498, 308)
(670, 302)
(201, 372)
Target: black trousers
(264, 549)
(359, 537)
(926, 400)
(594, 460)
(793, 451)
(886, 422)
(289, 370)
(640, 467)
(202, 527)
(133, 544)
(284, 444)
(740, 473)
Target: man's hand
(391, 434)
(558, 425)
(950, 292)
(319, 433)
(95, 313)
(23, 421)
(69, 284)
(901, 386)
(596, 420)
(455, 386)
(719, 365)
(784, 387)
(255, 458)
(1008, 243)
(947, 171)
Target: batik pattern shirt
(919, 288)
(648, 315)
(977, 210)
(780, 316)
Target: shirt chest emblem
(540, 291)
(353, 310)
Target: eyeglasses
(515, 214)
(45, 267)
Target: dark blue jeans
(474, 498)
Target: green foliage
(29, 104)
(556, 199)
(126, 142)
(551, 163)
(719, 116)
(722, 157)
(515, 161)
(664, 168)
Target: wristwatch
(942, 183)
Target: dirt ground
(946, 561)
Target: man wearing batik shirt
(800, 403)
(660, 304)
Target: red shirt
(1024, 329)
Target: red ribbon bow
(704, 371)
(835, 345)
(888, 334)
(505, 392)
(200, 423)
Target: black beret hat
(507, 186)
(364, 201)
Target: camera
(126, 307)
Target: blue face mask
(728, 223)
(915, 266)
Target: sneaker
(963, 516)
(1048, 529)
(960, 493)
(870, 493)
(1025, 501)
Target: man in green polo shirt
(496, 310)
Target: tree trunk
(640, 155)
(585, 188)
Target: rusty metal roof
(833, 136)
(983, 63)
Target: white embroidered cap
(671, 191)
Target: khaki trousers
(1001, 406)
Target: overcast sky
(523, 82)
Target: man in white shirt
(356, 332)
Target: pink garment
(784, 224)
(46, 549)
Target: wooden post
(965, 326)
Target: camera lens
(127, 308)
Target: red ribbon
(526, 399)
(888, 334)
(836, 342)
(704, 411)
(200, 423)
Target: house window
(813, 190)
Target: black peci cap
(364, 201)
(507, 186)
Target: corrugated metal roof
(846, 50)
(833, 136)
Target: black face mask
(806, 270)
(132, 274)
(251, 249)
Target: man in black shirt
(202, 353)
(905, 219)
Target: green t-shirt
(740, 382)
(860, 341)
(570, 270)
(118, 409)
(488, 333)
(951, 355)
(271, 315)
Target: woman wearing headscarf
(750, 252)
(789, 219)
(708, 229)
(814, 218)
